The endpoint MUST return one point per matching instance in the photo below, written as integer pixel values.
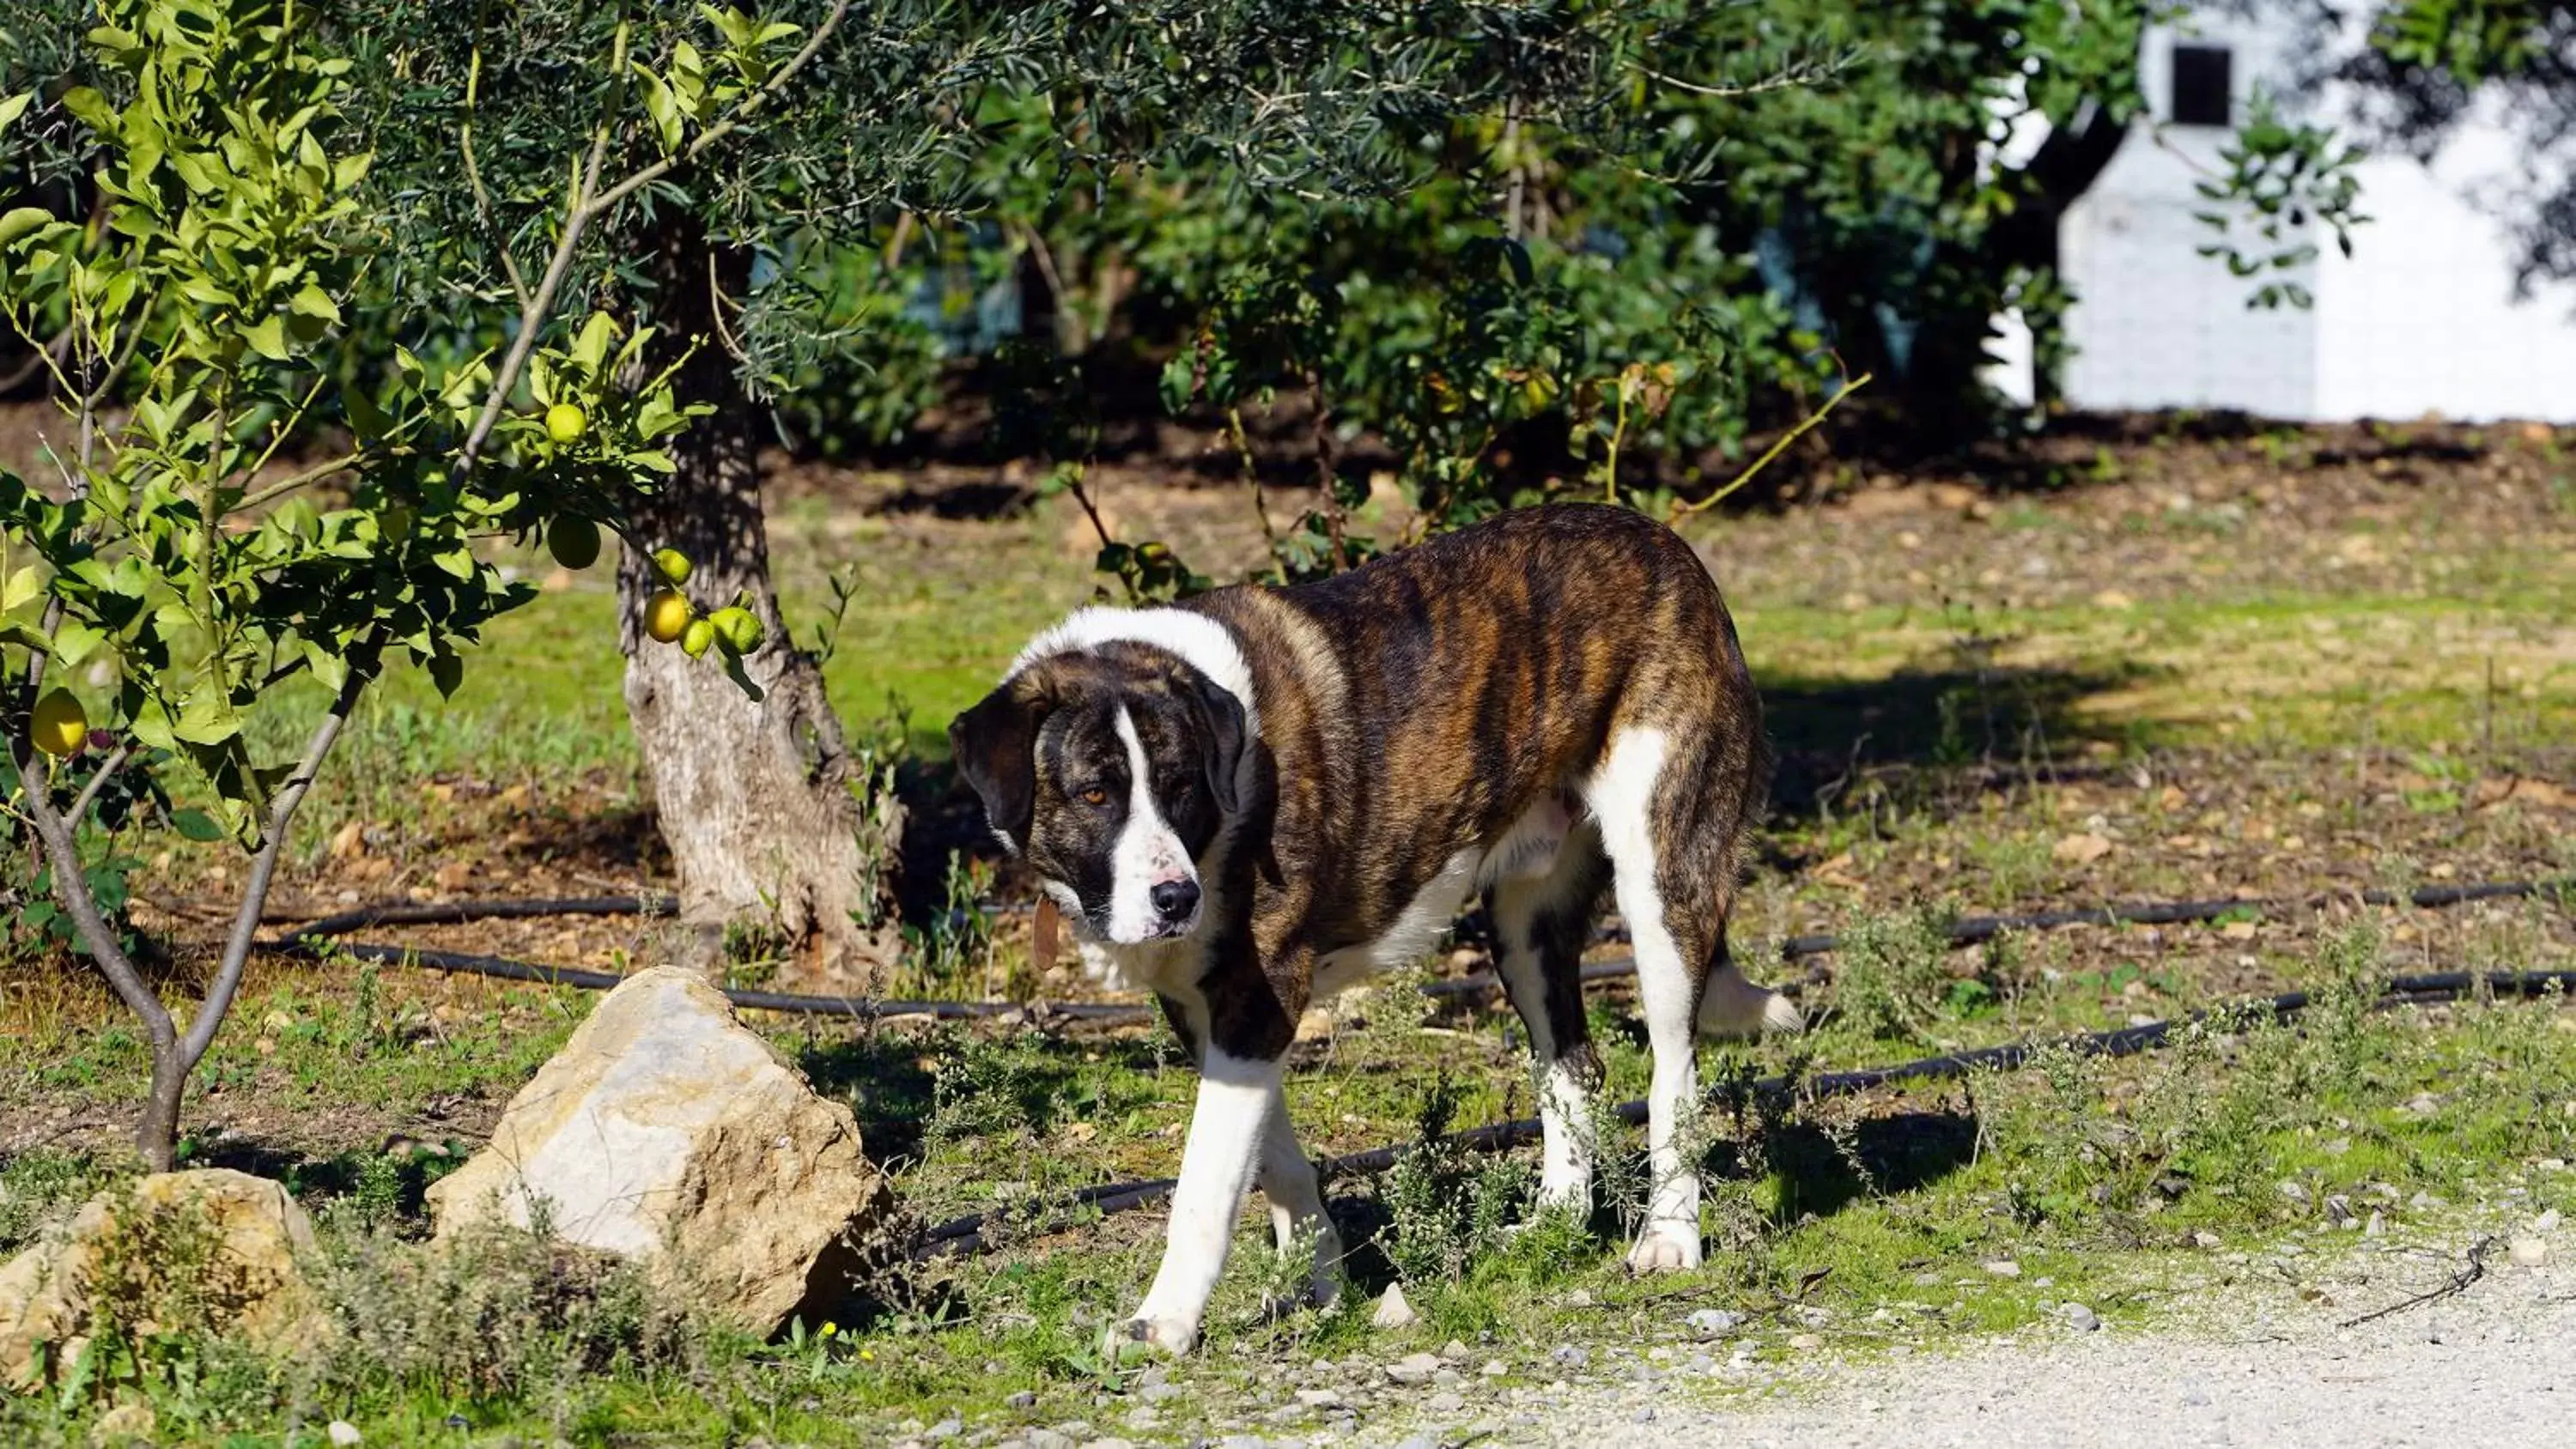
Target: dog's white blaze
(1622, 795)
(1146, 854)
(1235, 1103)
(1199, 641)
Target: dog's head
(1109, 770)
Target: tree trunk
(772, 825)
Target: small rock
(2528, 1252)
(1579, 1298)
(1494, 1368)
(1160, 1393)
(948, 1428)
(1714, 1322)
(1572, 1355)
(2339, 1208)
(2204, 1238)
(2079, 1318)
(1144, 1419)
(1454, 1351)
(1393, 1311)
(1319, 1398)
(1112, 1444)
(1049, 1439)
(1413, 1368)
(2375, 1225)
(1805, 1341)
(1445, 1402)
(2003, 1268)
(344, 1434)
(1645, 1415)
(2297, 1194)
(1024, 1399)
(2546, 1223)
(2081, 849)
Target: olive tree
(901, 112)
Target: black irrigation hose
(311, 939)
(861, 1008)
(1970, 930)
(450, 913)
(965, 1235)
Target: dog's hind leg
(1645, 802)
(1540, 924)
(1297, 1201)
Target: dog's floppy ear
(996, 748)
(1221, 738)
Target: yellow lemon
(574, 542)
(666, 614)
(672, 564)
(565, 421)
(695, 639)
(60, 726)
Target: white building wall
(2422, 319)
(2155, 324)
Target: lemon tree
(186, 558)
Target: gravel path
(2249, 1366)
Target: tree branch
(1776, 449)
(263, 868)
(583, 207)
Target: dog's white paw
(1173, 1336)
(1665, 1248)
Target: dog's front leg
(1217, 1163)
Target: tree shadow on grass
(1935, 729)
(1814, 1173)
(955, 1080)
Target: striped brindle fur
(1256, 798)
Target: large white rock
(211, 1250)
(667, 1131)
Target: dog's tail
(1735, 1007)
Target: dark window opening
(2200, 85)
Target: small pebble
(1024, 1399)
(1805, 1341)
(2525, 1252)
(2080, 1318)
(1572, 1355)
(1446, 1403)
(1393, 1311)
(1494, 1368)
(948, 1428)
(344, 1434)
(1714, 1322)
(2004, 1268)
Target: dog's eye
(1095, 796)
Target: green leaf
(662, 107)
(267, 337)
(12, 107)
(196, 825)
(207, 716)
(314, 302)
(447, 672)
(91, 109)
(590, 349)
(75, 640)
(19, 221)
(22, 587)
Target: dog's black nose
(1175, 899)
